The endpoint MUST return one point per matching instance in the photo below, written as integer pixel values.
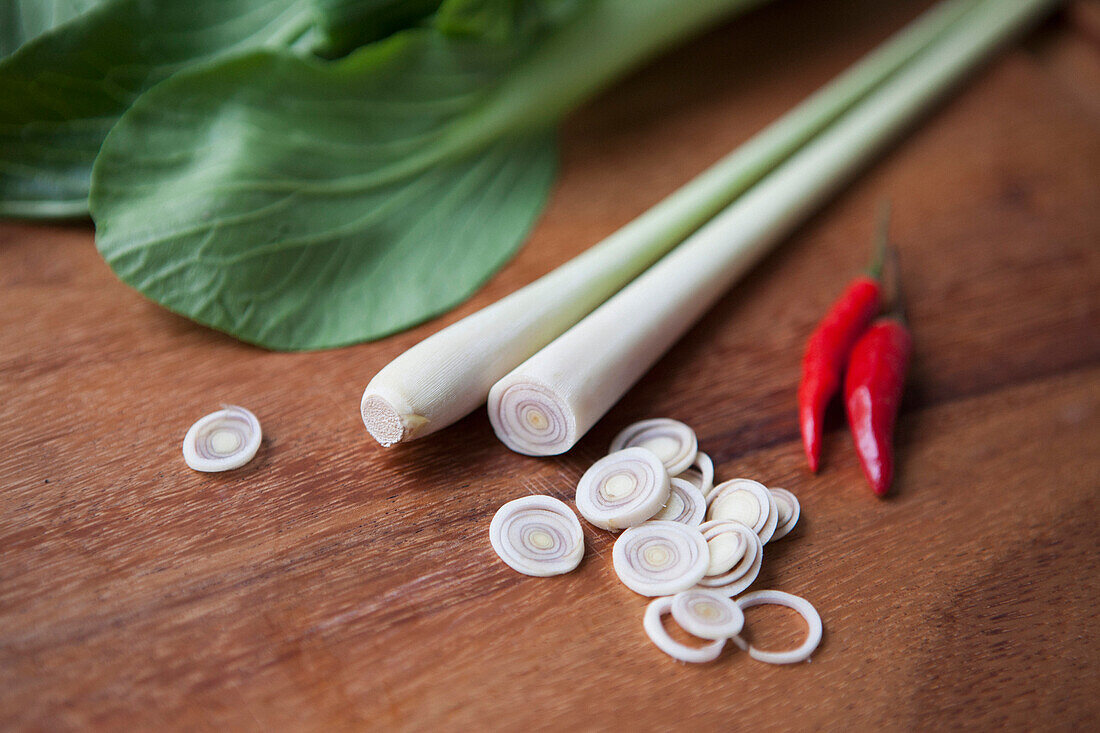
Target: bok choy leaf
(299, 204)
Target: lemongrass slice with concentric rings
(673, 442)
(660, 558)
(707, 614)
(768, 530)
(728, 543)
(222, 440)
(745, 569)
(789, 510)
(700, 473)
(804, 609)
(537, 535)
(623, 489)
(685, 504)
(746, 501)
(656, 632)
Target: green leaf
(301, 206)
(348, 24)
(500, 20)
(297, 204)
(61, 92)
(22, 20)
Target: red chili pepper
(827, 352)
(872, 394)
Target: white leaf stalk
(449, 374)
(573, 381)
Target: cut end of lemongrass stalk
(531, 419)
(386, 422)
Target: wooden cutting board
(334, 585)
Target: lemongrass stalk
(446, 376)
(546, 404)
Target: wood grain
(333, 585)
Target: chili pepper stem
(882, 241)
(897, 298)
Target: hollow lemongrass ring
(537, 535)
(707, 614)
(700, 473)
(746, 571)
(623, 489)
(222, 440)
(531, 419)
(656, 632)
(673, 442)
(743, 500)
(800, 605)
(789, 511)
(685, 504)
(660, 558)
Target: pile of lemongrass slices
(687, 542)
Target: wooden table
(334, 585)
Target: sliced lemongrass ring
(707, 614)
(673, 442)
(685, 504)
(623, 489)
(537, 535)
(656, 632)
(789, 511)
(660, 558)
(745, 572)
(743, 500)
(222, 440)
(802, 606)
(729, 543)
(768, 530)
(700, 473)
